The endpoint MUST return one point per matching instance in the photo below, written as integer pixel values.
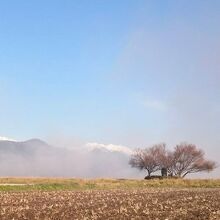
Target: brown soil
(160, 204)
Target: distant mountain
(109, 148)
(37, 158)
(22, 148)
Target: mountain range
(37, 158)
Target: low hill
(37, 158)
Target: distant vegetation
(185, 159)
(51, 184)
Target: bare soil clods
(151, 203)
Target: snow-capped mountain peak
(109, 147)
(6, 139)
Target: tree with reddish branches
(148, 159)
(185, 159)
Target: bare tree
(165, 159)
(148, 159)
(187, 158)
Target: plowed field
(150, 203)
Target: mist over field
(37, 158)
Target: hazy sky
(115, 71)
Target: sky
(124, 72)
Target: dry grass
(71, 184)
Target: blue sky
(123, 72)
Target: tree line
(183, 160)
